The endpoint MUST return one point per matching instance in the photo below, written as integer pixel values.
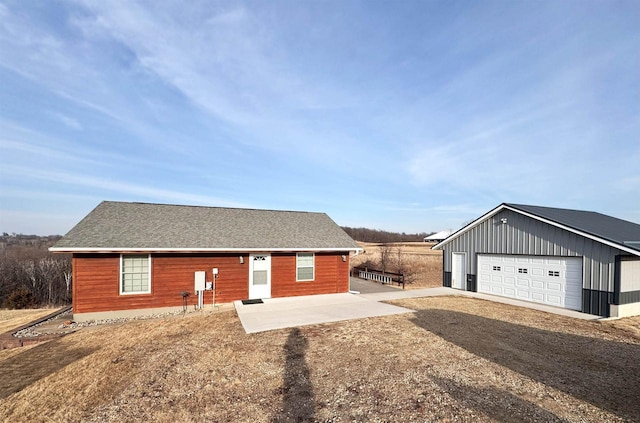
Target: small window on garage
(496, 268)
(305, 267)
(522, 270)
(554, 273)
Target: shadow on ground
(298, 404)
(21, 370)
(499, 404)
(603, 373)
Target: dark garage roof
(122, 226)
(620, 233)
(597, 224)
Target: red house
(139, 258)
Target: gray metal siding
(526, 236)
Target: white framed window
(135, 274)
(305, 267)
(496, 268)
(523, 270)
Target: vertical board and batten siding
(96, 279)
(526, 236)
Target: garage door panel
(554, 286)
(509, 292)
(537, 284)
(572, 275)
(555, 281)
(554, 300)
(574, 303)
(537, 296)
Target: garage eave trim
(541, 219)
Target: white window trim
(313, 266)
(120, 278)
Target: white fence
(362, 274)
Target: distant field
(423, 264)
(10, 319)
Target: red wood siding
(174, 273)
(96, 279)
(95, 282)
(331, 275)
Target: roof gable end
(605, 229)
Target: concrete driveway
(279, 313)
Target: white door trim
(458, 270)
(259, 288)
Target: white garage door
(555, 281)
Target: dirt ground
(423, 265)
(10, 319)
(454, 359)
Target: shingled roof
(122, 226)
(610, 230)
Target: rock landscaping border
(8, 339)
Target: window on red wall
(135, 272)
(305, 267)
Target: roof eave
(468, 227)
(196, 250)
(542, 219)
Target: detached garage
(574, 259)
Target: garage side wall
(522, 235)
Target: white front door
(458, 270)
(259, 276)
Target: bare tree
(32, 276)
(386, 252)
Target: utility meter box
(199, 281)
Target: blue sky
(404, 116)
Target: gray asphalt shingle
(123, 225)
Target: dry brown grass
(423, 265)
(10, 319)
(455, 359)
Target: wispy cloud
(120, 187)
(382, 113)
